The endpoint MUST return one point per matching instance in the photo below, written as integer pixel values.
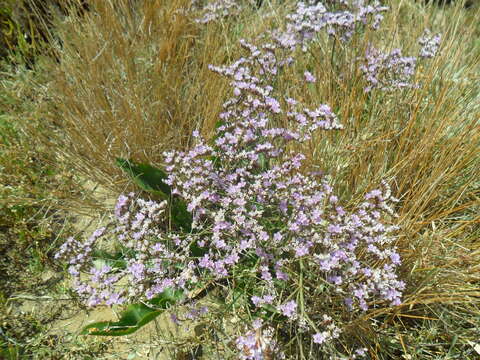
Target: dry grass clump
(132, 81)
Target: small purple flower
(309, 77)
(395, 258)
(320, 338)
(301, 250)
(114, 299)
(289, 309)
(430, 44)
(174, 319)
(137, 270)
(361, 352)
(281, 275)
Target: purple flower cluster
(146, 250)
(312, 16)
(430, 44)
(258, 343)
(77, 253)
(388, 71)
(248, 198)
(392, 71)
(330, 331)
(217, 9)
(289, 309)
(309, 77)
(99, 287)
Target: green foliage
(147, 177)
(135, 316)
(9, 352)
(26, 26)
(29, 186)
(30, 226)
(19, 31)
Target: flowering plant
(252, 210)
(241, 211)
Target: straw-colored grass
(132, 81)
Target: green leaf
(135, 316)
(180, 215)
(9, 352)
(270, 309)
(197, 251)
(264, 162)
(149, 178)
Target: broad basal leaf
(134, 316)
